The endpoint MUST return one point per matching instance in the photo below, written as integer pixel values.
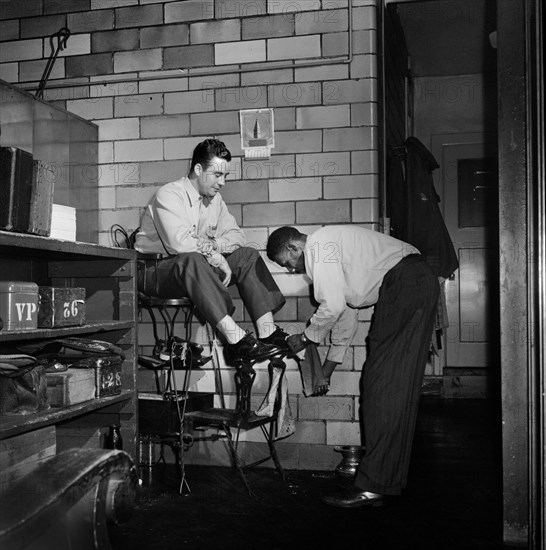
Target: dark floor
(452, 502)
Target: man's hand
(297, 342)
(207, 245)
(224, 268)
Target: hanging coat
(413, 207)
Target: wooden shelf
(91, 328)
(16, 424)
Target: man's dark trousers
(399, 340)
(190, 275)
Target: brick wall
(158, 76)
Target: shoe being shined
(249, 348)
(353, 497)
(277, 338)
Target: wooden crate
(20, 454)
(70, 387)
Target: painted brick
(138, 16)
(348, 91)
(215, 31)
(191, 10)
(327, 211)
(214, 123)
(362, 330)
(15, 9)
(345, 139)
(162, 171)
(248, 51)
(164, 126)
(189, 102)
(233, 143)
(106, 152)
(323, 164)
(268, 27)
(363, 114)
(9, 30)
(88, 65)
(132, 196)
(21, 50)
(325, 408)
(92, 108)
(64, 94)
(179, 148)
(304, 93)
(365, 162)
(348, 187)
(164, 35)
(120, 128)
(245, 191)
(295, 189)
(87, 21)
(287, 6)
(142, 60)
(163, 85)
(335, 44)
(325, 72)
(107, 198)
(65, 6)
(33, 70)
(305, 141)
(111, 41)
(345, 383)
(138, 105)
(136, 150)
(309, 432)
(332, 116)
(257, 238)
(213, 82)
(115, 89)
(239, 8)
(297, 47)
(125, 173)
(101, 4)
(126, 218)
(249, 97)
(360, 354)
(365, 210)
(365, 18)
(10, 72)
(278, 166)
(255, 78)
(364, 66)
(41, 26)
(268, 214)
(79, 44)
(322, 22)
(285, 118)
(364, 42)
(343, 433)
(188, 56)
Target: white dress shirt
(347, 265)
(178, 220)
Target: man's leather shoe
(277, 338)
(353, 497)
(249, 348)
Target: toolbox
(18, 305)
(61, 307)
(70, 387)
(107, 373)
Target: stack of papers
(63, 223)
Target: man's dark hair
(279, 239)
(205, 151)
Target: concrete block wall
(159, 76)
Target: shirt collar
(193, 195)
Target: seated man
(352, 267)
(189, 223)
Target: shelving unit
(109, 277)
